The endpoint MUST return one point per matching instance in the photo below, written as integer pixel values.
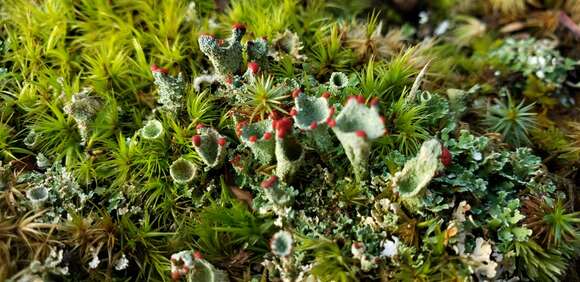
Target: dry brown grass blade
(27, 228)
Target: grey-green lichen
(287, 44)
(257, 51)
(194, 268)
(210, 146)
(171, 89)
(53, 265)
(258, 136)
(338, 81)
(227, 56)
(56, 190)
(31, 138)
(276, 196)
(206, 272)
(535, 57)
(289, 152)
(281, 243)
(37, 195)
(418, 172)
(153, 129)
(182, 171)
(83, 108)
(356, 126)
(275, 192)
(311, 114)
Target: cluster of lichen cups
(275, 138)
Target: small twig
(567, 22)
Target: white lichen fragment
(94, 263)
(195, 268)
(390, 247)
(122, 263)
(481, 255)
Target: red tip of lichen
(253, 138)
(360, 99)
(196, 139)
(375, 102)
(267, 136)
(221, 141)
(254, 67)
(296, 92)
(155, 68)
(283, 126)
(239, 126)
(199, 126)
(197, 255)
(175, 275)
(236, 160)
(361, 133)
(331, 111)
(325, 95)
(229, 79)
(239, 26)
(207, 34)
(282, 133)
(446, 159)
(293, 112)
(313, 125)
(268, 183)
(331, 122)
